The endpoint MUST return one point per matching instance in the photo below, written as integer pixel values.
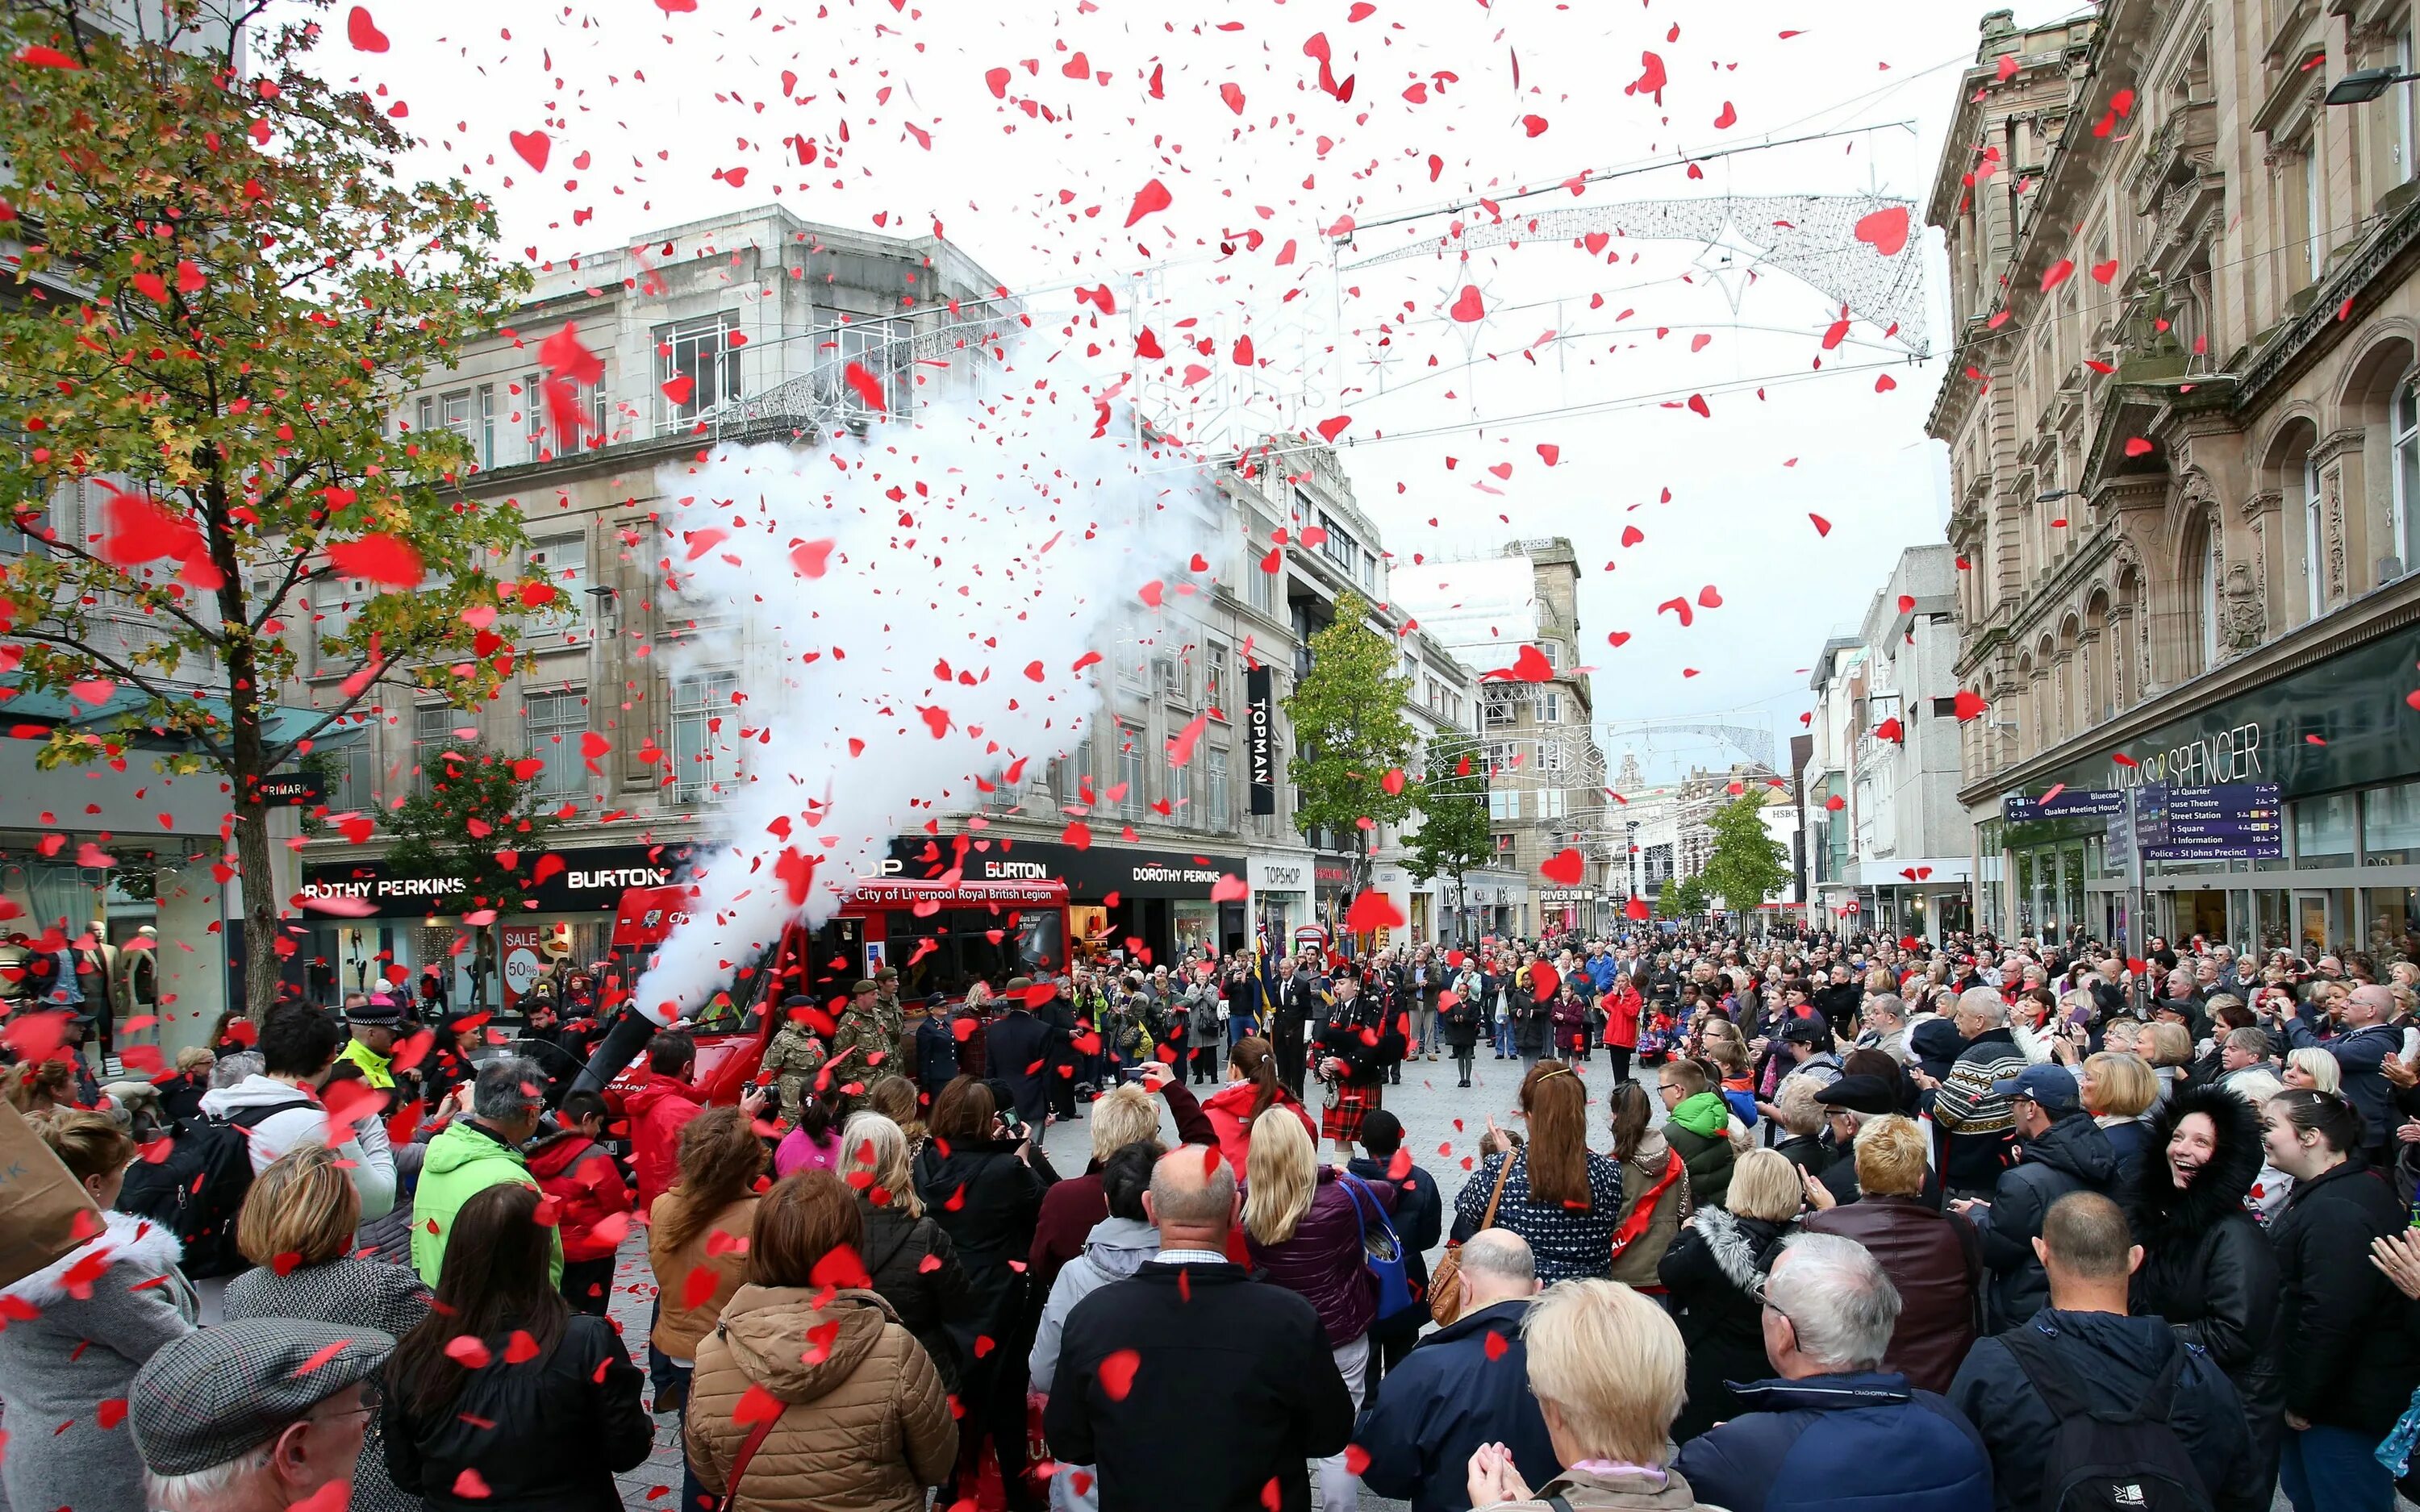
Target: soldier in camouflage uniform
(795, 1056)
(864, 1045)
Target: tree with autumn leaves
(225, 290)
(1350, 736)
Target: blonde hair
(1280, 1175)
(1612, 1364)
(873, 1162)
(1128, 1115)
(50, 1082)
(1764, 1184)
(2319, 1066)
(2123, 1084)
(196, 1058)
(2171, 1043)
(1890, 1157)
(300, 1205)
(89, 1144)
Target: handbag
(1382, 1251)
(1444, 1295)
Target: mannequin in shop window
(483, 965)
(96, 973)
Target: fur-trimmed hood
(144, 1243)
(2164, 1215)
(1739, 1246)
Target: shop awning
(285, 722)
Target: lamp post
(2363, 86)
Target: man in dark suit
(1191, 1339)
(1017, 1050)
(1293, 997)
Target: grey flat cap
(221, 1391)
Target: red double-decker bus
(941, 935)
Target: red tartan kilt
(1341, 1120)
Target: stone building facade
(2184, 444)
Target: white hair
(200, 1489)
(1499, 1253)
(1984, 1003)
(1838, 1300)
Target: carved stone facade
(2196, 442)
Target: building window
(1497, 703)
(1214, 686)
(470, 413)
(704, 762)
(349, 786)
(1550, 803)
(867, 344)
(1168, 676)
(1131, 796)
(537, 421)
(1221, 813)
(701, 352)
(2315, 204)
(2315, 549)
(562, 562)
(335, 604)
(2403, 109)
(2210, 581)
(2404, 537)
(432, 735)
(1337, 546)
(1261, 588)
(1503, 850)
(1504, 805)
(1549, 708)
(1180, 795)
(555, 722)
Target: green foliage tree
(225, 288)
(1451, 802)
(1683, 898)
(1747, 865)
(480, 820)
(1349, 731)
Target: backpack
(1383, 1251)
(199, 1189)
(2111, 1460)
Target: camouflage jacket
(866, 1045)
(795, 1056)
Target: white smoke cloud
(974, 560)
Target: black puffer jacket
(928, 1298)
(1715, 1272)
(2207, 1266)
(2343, 1348)
(2072, 1155)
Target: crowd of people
(1841, 1222)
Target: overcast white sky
(649, 112)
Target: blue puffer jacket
(1449, 1396)
(1864, 1441)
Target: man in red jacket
(661, 1104)
(656, 1110)
(591, 1202)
